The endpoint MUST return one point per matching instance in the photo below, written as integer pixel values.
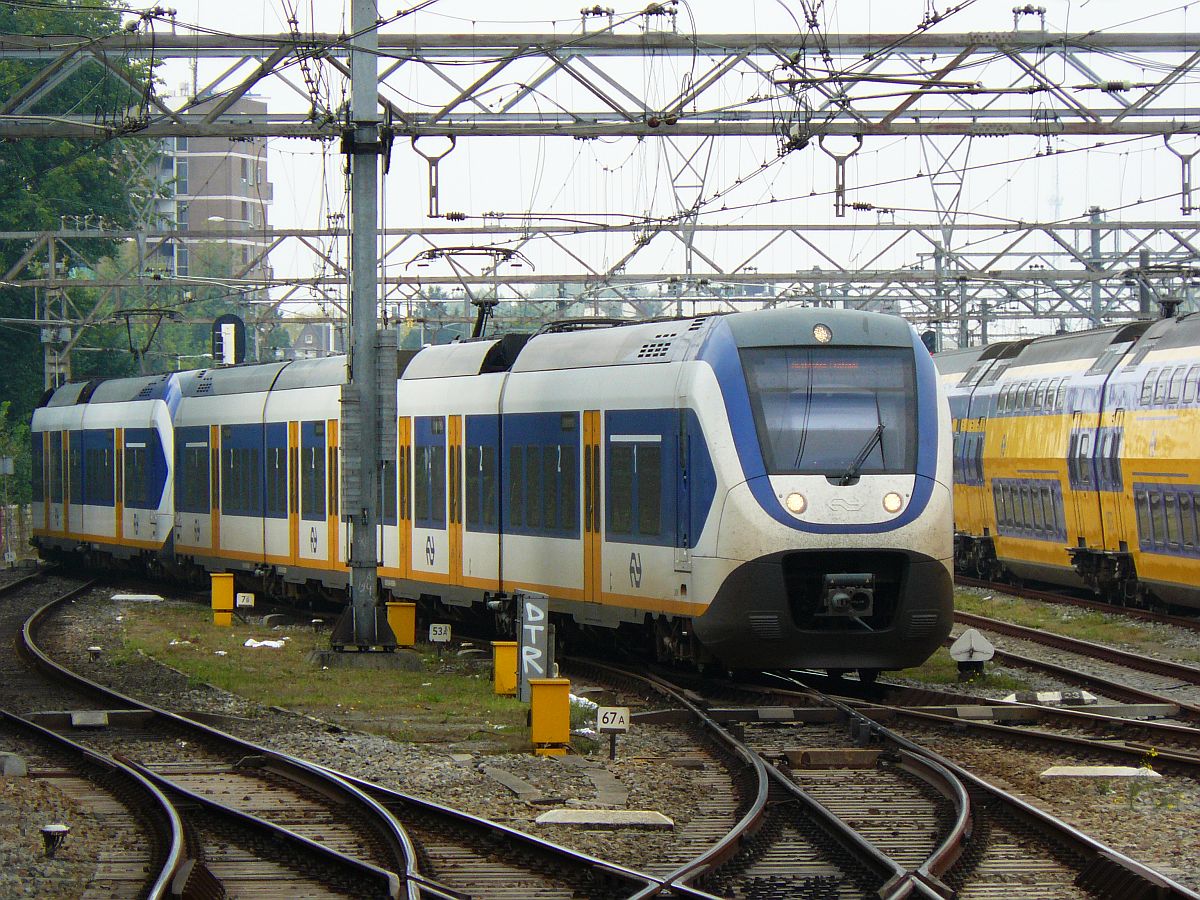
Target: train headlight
(892, 502)
(822, 333)
(796, 503)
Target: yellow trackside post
(504, 668)
(402, 619)
(222, 599)
(550, 699)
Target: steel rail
(1105, 865)
(890, 874)
(399, 846)
(1164, 667)
(157, 807)
(388, 881)
(394, 798)
(1028, 593)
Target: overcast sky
(609, 180)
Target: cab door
(592, 547)
(454, 471)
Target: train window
(1048, 512)
(533, 488)
(1160, 386)
(98, 467)
(1039, 399)
(437, 483)
(1060, 396)
(1147, 395)
(275, 464)
(1187, 518)
(1085, 458)
(312, 483)
(1191, 384)
(56, 467)
(74, 465)
(516, 486)
(135, 475)
(648, 461)
(334, 481)
(1141, 504)
(998, 503)
(1029, 400)
(192, 470)
(1158, 518)
(550, 476)
(37, 485)
(815, 408)
(1171, 513)
(1035, 501)
(474, 473)
(620, 485)
(1175, 389)
(388, 486)
(1002, 399)
(489, 486)
(570, 487)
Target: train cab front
(834, 545)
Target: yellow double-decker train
(1076, 461)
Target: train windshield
(834, 411)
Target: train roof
(794, 326)
(447, 360)
(1077, 344)
(233, 380)
(1183, 331)
(324, 371)
(115, 390)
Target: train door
(454, 523)
(54, 482)
(404, 504)
(336, 549)
(314, 506)
(1117, 527)
(591, 506)
(119, 490)
(293, 443)
(1080, 476)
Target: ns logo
(635, 569)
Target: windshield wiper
(852, 472)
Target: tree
(44, 180)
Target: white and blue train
(767, 489)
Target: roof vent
(204, 386)
(654, 350)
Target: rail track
(1191, 623)
(908, 822)
(264, 820)
(143, 840)
(1173, 683)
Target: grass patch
(1072, 621)
(941, 669)
(449, 700)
